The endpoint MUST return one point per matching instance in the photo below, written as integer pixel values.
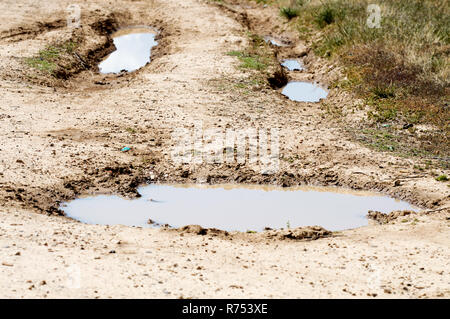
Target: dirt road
(62, 137)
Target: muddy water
(304, 92)
(232, 207)
(133, 49)
(292, 65)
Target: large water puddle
(133, 50)
(233, 207)
(304, 92)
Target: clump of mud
(199, 230)
(278, 79)
(300, 233)
(382, 218)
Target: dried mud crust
(70, 145)
(300, 233)
(383, 218)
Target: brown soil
(62, 137)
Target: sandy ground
(55, 257)
(61, 139)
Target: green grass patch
(385, 138)
(250, 61)
(326, 15)
(381, 140)
(48, 58)
(292, 10)
(401, 69)
(442, 178)
(131, 130)
(289, 12)
(257, 56)
(264, 1)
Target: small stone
(407, 126)
(301, 50)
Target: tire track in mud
(25, 32)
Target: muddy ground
(62, 137)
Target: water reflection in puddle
(292, 65)
(232, 207)
(132, 51)
(304, 92)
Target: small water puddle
(133, 50)
(292, 65)
(235, 207)
(275, 42)
(304, 92)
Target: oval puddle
(235, 207)
(133, 50)
(304, 92)
(292, 65)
